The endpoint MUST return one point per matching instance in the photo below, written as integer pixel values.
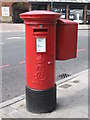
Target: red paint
(7, 65)
(80, 50)
(21, 62)
(66, 39)
(40, 24)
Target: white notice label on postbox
(40, 44)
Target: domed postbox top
(40, 15)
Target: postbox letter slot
(40, 30)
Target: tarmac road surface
(13, 62)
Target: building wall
(73, 1)
(10, 5)
(63, 4)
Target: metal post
(51, 5)
(67, 11)
(85, 14)
(48, 7)
(30, 7)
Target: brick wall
(7, 4)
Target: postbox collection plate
(40, 44)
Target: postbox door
(41, 65)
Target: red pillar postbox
(40, 29)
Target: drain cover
(64, 75)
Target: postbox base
(41, 101)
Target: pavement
(7, 27)
(72, 101)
